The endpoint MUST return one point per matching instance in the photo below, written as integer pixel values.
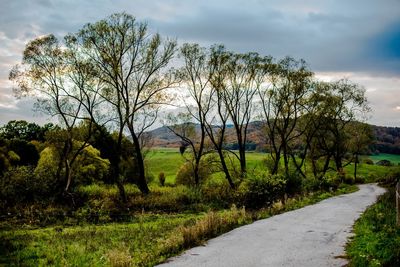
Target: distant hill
(387, 139)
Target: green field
(395, 159)
(141, 243)
(169, 160)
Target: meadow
(154, 227)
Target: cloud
(359, 36)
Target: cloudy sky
(357, 39)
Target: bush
(384, 162)
(331, 180)
(368, 161)
(359, 179)
(260, 190)
(348, 179)
(293, 183)
(161, 178)
(185, 175)
(20, 185)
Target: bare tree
(244, 74)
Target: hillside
(387, 139)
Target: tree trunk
(141, 182)
(355, 167)
(225, 169)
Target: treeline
(387, 140)
(108, 82)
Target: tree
(361, 137)
(133, 66)
(341, 103)
(22, 130)
(196, 77)
(243, 75)
(283, 104)
(64, 86)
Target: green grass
(377, 238)
(370, 173)
(167, 160)
(148, 240)
(395, 159)
(142, 243)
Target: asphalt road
(311, 236)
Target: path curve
(311, 236)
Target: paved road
(312, 236)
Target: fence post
(398, 203)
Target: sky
(357, 39)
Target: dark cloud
(358, 36)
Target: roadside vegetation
(91, 190)
(377, 236)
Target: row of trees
(114, 75)
(304, 119)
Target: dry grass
(119, 257)
(213, 224)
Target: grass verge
(377, 238)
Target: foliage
(384, 162)
(260, 190)
(19, 185)
(185, 174)
(90, 167)
(27, 152)
(26, 131)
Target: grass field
(169, 160)
(395, 159)
(141, 243)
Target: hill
(387, 139)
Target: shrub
(185, 175)
(293, 183)
(261, 189)
(331, 180)
(348, 179)
(90, 167)
(384, 162)
(368, 161)
(269, 163)
(161, 178)
(359, 179)
(19, 184)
